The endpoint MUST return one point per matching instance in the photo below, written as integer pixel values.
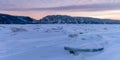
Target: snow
(47, 42)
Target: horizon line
(59, 15)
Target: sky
(106, 9)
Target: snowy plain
(47, 42)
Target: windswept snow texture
(47, 42)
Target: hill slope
(9, 19)
(54, 19)
(63, 19)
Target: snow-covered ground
(47, 42)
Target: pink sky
(37, 9)
(112, 14)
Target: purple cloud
(58, 5)
(87, 7)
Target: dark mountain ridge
(54, 19)
(10, 19)
(64, 19)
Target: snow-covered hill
(47, 42)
